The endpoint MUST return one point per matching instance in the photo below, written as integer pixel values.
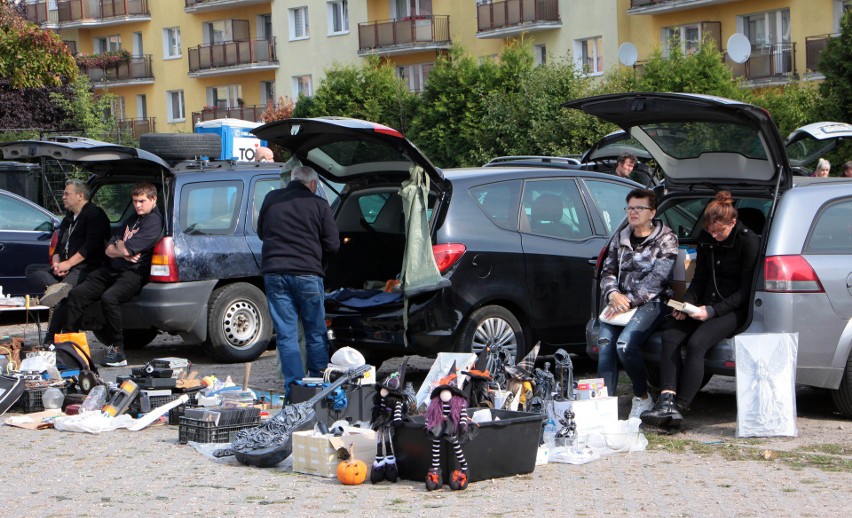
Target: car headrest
(547, 207)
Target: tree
(31, 57)
(836, 65)
(84, 111)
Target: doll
(447, 419)
(521, 377)
(480, 381)
(389, 407)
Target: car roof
(823, 130)
(497, 174)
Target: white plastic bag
(766, 384)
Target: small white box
(591, 415)
(318, 454)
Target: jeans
(112, 289)
(625, 344)
(295, 298)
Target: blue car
(25, 235)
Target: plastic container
(53, 398)
(504, 447)
(206, 432)
(95, 400)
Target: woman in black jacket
(721, 287)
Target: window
(171, 43)
(267, 92)
(174, 106)
(400, 9)
(261, 189)
(589, 55)
(539, 54)
(299, 23)
(116, 107)
(138, 48)
(141, 106)
(338, 17)
(770, 28)
(499, 201)
(414, 75)
(609, 201)
(115, 199)
(687, 37)
(832, 231)
(264, 26)
(223, 97)
(107, 43)
(302, 85)
(210, 208)
(553, 208)
(18, 216)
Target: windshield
(352, 152)
(690, 139)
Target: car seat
(546, 216)
(752, 218)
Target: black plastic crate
(205, 431)
(136, 405)
(31, 400)
(177, 412)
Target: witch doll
(447, 420)
(389, 408)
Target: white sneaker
(640, 405)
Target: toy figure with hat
(521, 376)
(480, 380)
(447, 419)
(389, 408)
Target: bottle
(95, 400)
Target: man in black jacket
(298, 234)
(129, 255)
(82, 234)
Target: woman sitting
(724, 270)
(636, 273)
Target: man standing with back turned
(298, 234)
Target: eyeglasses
(636, 210)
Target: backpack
(70, 355)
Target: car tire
(182, 146)
(491, 325)
(239, 326)
(842, 396)
(133, 338)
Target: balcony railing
(78, 10)
(246, 113)
(814, 45)
(134, 128)
(138, 67)
(221, 4)
(511, 13)
(412, 32)
(776, 61)
(231, 54)
(39, 13)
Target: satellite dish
(627, 54)
(739, 48)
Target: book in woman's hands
(684, 307)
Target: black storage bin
(31, 400)
(359, 407)
(502, 448)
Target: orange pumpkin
(351, 471)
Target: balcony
(502, 19)
(198, 6)
(40, 14)
(232, 57)
(768, 64)
(133, 128)
(101, 13)
(136, 71)
(246, 113)
(669, 6)
(407, 35)
(814, 45)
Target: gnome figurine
(480, 380)
(447, 420)
(389, 408)
(521, 376)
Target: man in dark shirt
(120, 279)
(625, 167)
(298, 234)
(82, 234)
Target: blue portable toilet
(237, 141)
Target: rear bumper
(174, 308)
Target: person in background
(263, 154)
(720, 288)
(299, 234)
(625, 167)
(636, 273)
(823, 169)
(847, 169)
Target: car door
(25, 232)
(558, 242)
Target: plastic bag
(766, 384)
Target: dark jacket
(298, 231)
(88, 235)
(139, 236)
(724, 271)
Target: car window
(499, 201)
(682, 218)
(115, 199)
(17, 215)
(553, 208)
(609, 201)
(210, 207)
(372, 204)
(831, 233)
(261, 189)
(692, 139)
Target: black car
(516, 245)
(25, 239)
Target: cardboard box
(591, 388)
(318, 455)
(591, 415)
(684, 270)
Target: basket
(206, 432)
(177, 412)
(31, 400)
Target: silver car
(703, 144)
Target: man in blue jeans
(298, 234)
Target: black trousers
(41, 276)
(683, 374)
(112, 289)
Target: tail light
(163, 263)
(447, 254)
(54, 242)
(790, 274)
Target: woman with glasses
(636, 273)
(720, 288)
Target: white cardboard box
(318, 455)
(591, 415)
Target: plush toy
(447, 419)
(480, 380)
(389, 408)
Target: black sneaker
(54, 294)
(665, 413)
(114, 357)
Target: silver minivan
(803, 282)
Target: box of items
(357, 405)
(319, 454)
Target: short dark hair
(625, 156)
(644, 194)
(148, 189)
